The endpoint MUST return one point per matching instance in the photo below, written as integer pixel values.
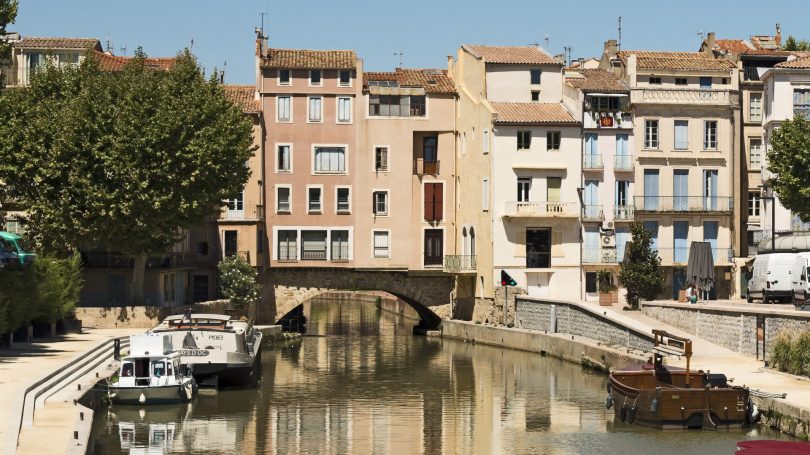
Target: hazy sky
(425, 31)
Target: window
(434, 247)
(380, 203)
(535, 95)
(284, 77)
(283, 199)
(655, 80)
(535, 77)
(680, 81)
(705, 82)
(724, 81)
(801, 102)
(340, 245)
(622, 193)
(381, 159)
(538, 248)
(315, 78)
(553, 185)
(343, 202)
(344, 105)
(330, 159)
(169, 290)
(284, 158)
(485, 194)
(524, 140)
(236, 204)
(230, 243)
(524, 188)
(710, 135)
(314, 199)
(605, 103)
(396, 106)
(315, 109)
(434, 198)
(553, 140)
(755, 108)
(651, 134)
(381, 249)
(486, 141)
(283, 109)
(755, 153)
(313, 245)
(345, 78)
(754, 203)
(287, 245)
(681, 134)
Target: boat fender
(631, 415)
(752, 413)
(609, 401)
(142, 399)
(623, 413)
(654, 405)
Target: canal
(360, 382)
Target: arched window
(464, 241)
(472, 241)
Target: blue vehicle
(14, 243)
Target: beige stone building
(685, 109)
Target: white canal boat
(152, 373)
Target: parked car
(8, 255)
(772, 277)
(801, 285)
(17, 243)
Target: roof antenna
(700, 34)
(123, 51)
(567, 55)
(109, 45)
(619, 44)
(262, 16)
(546, 39)
(222, 73)
(400, 54)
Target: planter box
(606, 299)
(614, 296)
(682, 296)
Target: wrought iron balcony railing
(455, 263)
(593, 213)
(684, 204)
(592, 162)
(623, 163)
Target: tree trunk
(138, 272)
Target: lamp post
(766, 194)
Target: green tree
(791, 44)
(8, 13)
(789, 161)
(238, 281)
(125, 161)
(639, 271)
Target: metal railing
(684, 203)
(593, 213)
(592, 162)
(313, 255)
(680, 255)
(623, 213)
(613, 120)
(595, 254)
(623, 163)
(680, 96)
(454, 263)
(750, 73)
(542, 208)
(425, 167)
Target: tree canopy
(8, 14)
(789, 162)
(238, 281)
(639, 272)
(792, 44)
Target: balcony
(623, 163)
(592, 162)
(684, 204)
(425, 167)
(680, 256)
(623, 213)
(524, 209)
(460, 263)
(751, 73)
(594, 254)
(313, 254)
(593, 213)
(607, 120)
(708, 97)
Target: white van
(801, 283)
(772, 277)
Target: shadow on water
(360, 382)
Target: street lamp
(766, 194)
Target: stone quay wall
(732, 326)
(559, 316)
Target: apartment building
(600, 100)
(685, 108)
(28, 54)
(786, 94)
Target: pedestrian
(693, 297)
(688, 293)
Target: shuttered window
(315, 109)
(681, 134)
(313, 245)
(287, 245)
(283, 108)
(434, 198)
(381, 244)
(344, 110)
(553, 190)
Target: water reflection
(363, 384)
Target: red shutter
(438, 199)
(429, 212)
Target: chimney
(710, 40)
(778, 37)
(261, 42)
(611, 47)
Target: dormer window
(283, 77)
(315, 78)
(654, 80)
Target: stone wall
(734, 328)
(139, 317)
(557, 316)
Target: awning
(700, 268)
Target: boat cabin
(151, 362)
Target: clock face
(606, 121)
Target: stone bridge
(286, 288)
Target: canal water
(360, 382)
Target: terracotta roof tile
(687, 61)
(528, 55)
(526, 113)
(57, 43)
(735, 46)
(243, 96)
(432, 80)
(309, 59)
(109, 62)
(797, 63)
(595, 80)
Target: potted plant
(606, 288)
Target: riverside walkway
(23, 365)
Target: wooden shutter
(556, 244)
(520, 244)
(429, 209)
(438, 201)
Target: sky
(424, 31)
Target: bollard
(80, 386)
(75, 435)
(74, 402)
(96, 373)
(81, 416)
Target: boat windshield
(127, 369)
(158, 368)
